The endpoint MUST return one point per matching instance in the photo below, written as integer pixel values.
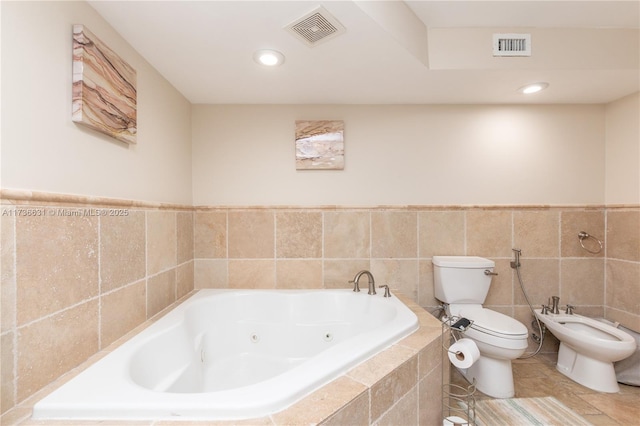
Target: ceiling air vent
(315, 27)
(512, 45)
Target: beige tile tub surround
(441, 232)
(7, 273)
(161, 241)
(394, 234)
(56, 263)
(184, 236)
(54, 345)
(74, 281)
(251, 274)
(251, 234)
(184, 279)
(210, 235)
(298, 235)
(400, 385)
(338, 272)
(401, 274)
(7, 388)
(122, 310)
(161, 291)
(299, 273)
(122, 250)
(347, 234)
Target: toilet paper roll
(454, 421)
(464, 353)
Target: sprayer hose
(517, 268)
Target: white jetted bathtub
(233, 354)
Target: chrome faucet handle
(545, 310)
(356, 287)
(387, 293)
(569, 310)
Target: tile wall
(324, 248)
(622, 268)
(76, 277)
(73, 282)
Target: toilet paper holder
(461, 324)
(458, 402)
(455, 325)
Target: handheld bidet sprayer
(516, 262)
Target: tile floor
(537, 377)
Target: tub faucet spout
(372, 283)
(554, 306)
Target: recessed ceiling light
(533, 88)
(270, 58)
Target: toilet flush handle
(488, 272)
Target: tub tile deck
(348, 397)
(533, 377)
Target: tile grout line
(275, 248)
(322, 227)
(177, 245)
(146, 266)
(99, 283)
(15, 312)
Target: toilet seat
(494, 328)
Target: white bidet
(588, 349)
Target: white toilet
(588, 349)
(462, 284)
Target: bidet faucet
(356, 281)
(515, 263)
(554, 306)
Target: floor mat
(545, 411)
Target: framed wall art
(319, 144)
(104, 88)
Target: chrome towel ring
(585, 236)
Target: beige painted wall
(42, 149)
(397, 155)
(623, 150)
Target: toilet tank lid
(462, 262)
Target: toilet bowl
(462, 284)
(588, 349)
(500, 340)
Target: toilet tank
(461, 279)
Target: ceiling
(392, 52)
